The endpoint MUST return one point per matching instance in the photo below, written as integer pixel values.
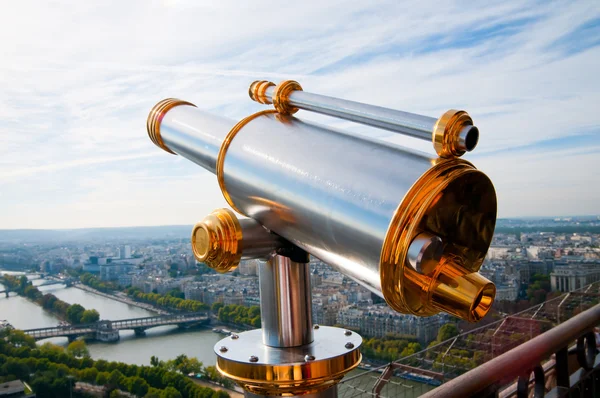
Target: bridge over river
(105, 330)
(50, 281)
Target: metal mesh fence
(453, 357)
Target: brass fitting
(464, 294)
(155, 117)
(454, 134)
(221, 240)
(437, 242)
(257, 91)
(216, 240)
(281, 93)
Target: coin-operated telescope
(410, 227)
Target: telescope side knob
(216, 240)
(425, 252)
(221, 240)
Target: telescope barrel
(422, 127)
(358, 204)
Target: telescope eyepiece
(468, 138)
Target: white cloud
(78, 79)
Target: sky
(78, 78)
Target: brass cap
(464, 294)
(454, 134)
(217, 240)
(155, 117)
(281, 94)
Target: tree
(90, 316)
(74, 313)
(154, 361)
(18, 338)
(78, 349)
(539, 288)
(115, 377)
(17, 368)
(447, 331)
(90, 374)
(153, 393)
(102, 378)
(170, 392)
(51, 349)
(216, 307)
(177, 293)
(138, 386)
(23, 282)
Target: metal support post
(288, 356)
(286, 300)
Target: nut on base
(217, 240)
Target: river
(165, 342)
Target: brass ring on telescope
(281, 96)
(258, 89)
(446, 133)
(155, 117)
(223, 151)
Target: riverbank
(122, 298)
(218, 387)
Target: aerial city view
(322, 199)
(85, 276)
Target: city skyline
(80, 79)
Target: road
(122, 297)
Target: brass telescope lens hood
(457, 203)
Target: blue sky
(78, 80)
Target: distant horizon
(590, 216)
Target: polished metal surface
(257, 241)
(329, 342)
(411, 124)
(285, 302)
(265, 370)
(338, 205)
(331, 392)
(195, 134)
(356, 203)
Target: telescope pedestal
(289, 356)
(329, 393)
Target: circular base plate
(266, 370)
